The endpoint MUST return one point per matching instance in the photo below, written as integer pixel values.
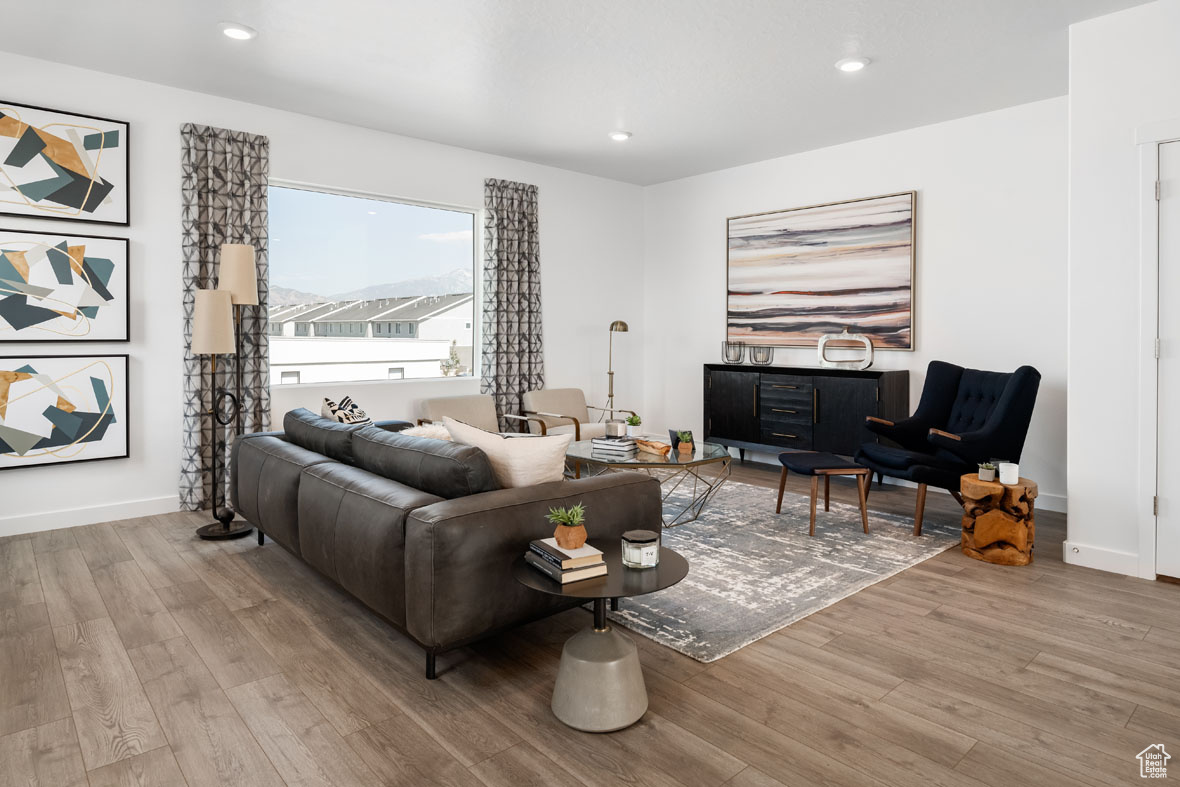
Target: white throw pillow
(516, 462)
(432, 430)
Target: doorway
(1167, 550)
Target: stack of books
(565, 565)
(613, 447)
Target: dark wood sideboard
(772, 408)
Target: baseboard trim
(1111, 560)
(87, 515)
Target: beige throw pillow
(524, 462)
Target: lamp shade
(238, 273)
(618, 326)
(213, 323)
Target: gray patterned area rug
(753, 572)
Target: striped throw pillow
(346, 411)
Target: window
(366, 288)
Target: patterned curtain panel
(223, 188)
(513, 362)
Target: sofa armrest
(459, 553)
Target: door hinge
(1156, 349)
(1157, 191)
(1155, 505)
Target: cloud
(461, 236)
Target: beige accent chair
(479, 410)
(564, 411)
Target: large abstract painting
(58, 165)
(795, 275)
(59, 409)
(56, 287)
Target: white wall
(991, 261)
(591, 240)
(1123, 74)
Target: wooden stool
(816, 464)
(998, 522)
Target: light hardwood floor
(133, 654)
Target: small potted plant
(570, 532)
(987, 471)
(684, 443)
(633, 422)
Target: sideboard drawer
(776, 413)
(787, 435)
(786, 383)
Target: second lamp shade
(238, 273)
(213, 323)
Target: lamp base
(218, 531)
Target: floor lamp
(213, 335)
(238, 275)
(618, 326)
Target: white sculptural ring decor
(861, 363)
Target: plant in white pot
(633, 424)
(987, 471)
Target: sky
(329, 243)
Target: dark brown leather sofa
(417, 529)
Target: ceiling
(702, 84)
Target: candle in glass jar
(641, 548)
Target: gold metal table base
(672, 478)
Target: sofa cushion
(517, 461)
(900, 458)
(441, 468)
(322, 435)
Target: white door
(1167, 548)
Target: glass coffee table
(696, 477)
(599, 686)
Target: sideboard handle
(792, 387)
(776, 410)
(776, 434)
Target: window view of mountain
(368, 289)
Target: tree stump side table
(998, 521)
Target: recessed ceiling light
(372, 213)
(620, 136)
(851, 64)
(237, 32)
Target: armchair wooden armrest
(527, 420)
(577, 423)
(877, 420)
(947, 435)
(612, 410)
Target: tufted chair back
(975, 400)
(996, 405)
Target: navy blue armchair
(965, 416)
